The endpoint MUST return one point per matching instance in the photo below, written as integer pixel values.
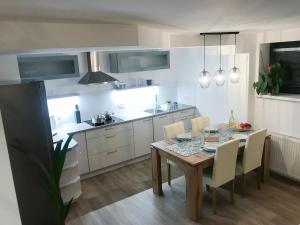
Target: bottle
(231, 120)
(77, 114)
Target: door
(143, 136)
(158, 124)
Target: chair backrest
(225, 163)
(199, 123)
(254, 150)
(172, 130)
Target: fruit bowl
(242, 127)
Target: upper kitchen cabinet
(47, 67)
(134, 61)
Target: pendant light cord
(204, 54)
(234, 49)
(220, 52)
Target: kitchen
(107, 141)
(113, 90)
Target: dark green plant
(270, 81)
(52, 176)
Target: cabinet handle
(112, 152)
(112, 136)
(146, 120)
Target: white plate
(210, 147)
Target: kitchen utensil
(149, 82)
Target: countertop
(126, 117)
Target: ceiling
(172, 15)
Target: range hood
(94, 74)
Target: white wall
(276, 115)
(9, 211)
(9, 68)
(179, 83)
(216, 102)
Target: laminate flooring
(124, 197)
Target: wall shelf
(131, 88)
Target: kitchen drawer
(111, 157)
(183, 114)
(110, 130)
(108, 142)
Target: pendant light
(220, 74)
(234, 72)
(204, 78)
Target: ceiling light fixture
(219, 77)
(204, 78)
(234, 72)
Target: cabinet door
(83, 163)
(159, 122)
(143, 136)
(185, 116)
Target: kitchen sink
(154, 111)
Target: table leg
(194, 192)
(156, 172)
(265, 162)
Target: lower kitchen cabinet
(158, 125)
(110, 145)
(103, 147)
(83, 162)
(143, 136)
(69, 184)
(185, 116)
(110, 157)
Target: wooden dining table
(192, 167)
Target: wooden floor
(125, 197)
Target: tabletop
(198, 157)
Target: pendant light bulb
(220, 77)
(220, 74)
(234, 75)
(204, 79)
(234, 72)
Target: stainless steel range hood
(94, 74)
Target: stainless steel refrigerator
(27, 126)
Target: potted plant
(270, 81)
(53, 175)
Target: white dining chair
(223, 170)
(251, 158)
(171, 131)
(199, 123)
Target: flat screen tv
(288, 55)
